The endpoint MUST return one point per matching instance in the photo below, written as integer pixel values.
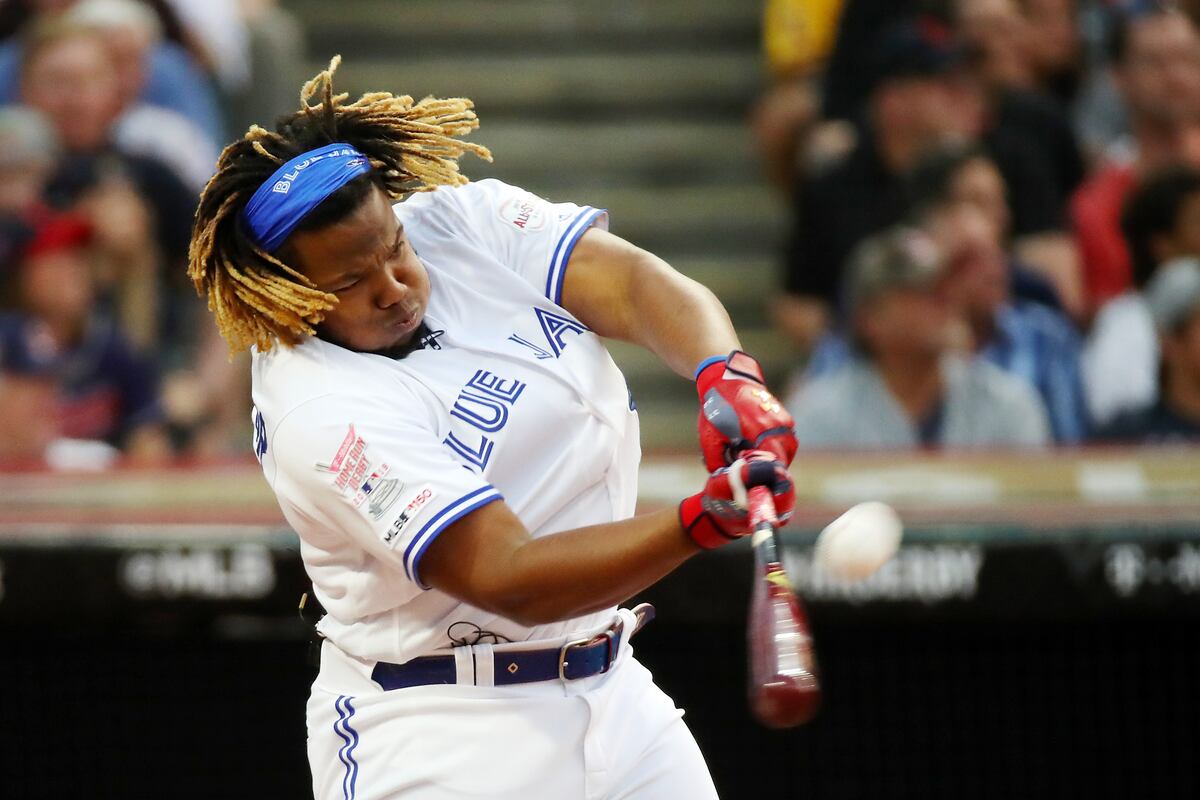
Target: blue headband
(296, 188)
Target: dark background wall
(914, 707)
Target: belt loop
(484, 665)
(464, 665)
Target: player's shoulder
(484, 193)
(318, 373)
(484, 205)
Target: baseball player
(443, 427)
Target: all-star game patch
(526, 212)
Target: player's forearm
(536, 581)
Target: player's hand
(737, 413)
(720, 513)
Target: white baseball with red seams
(371, 458)
(860, 541)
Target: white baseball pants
(614, 736)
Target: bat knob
(786, 702)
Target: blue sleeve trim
(442, 520)
(562, 251)
(706, 363)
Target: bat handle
(763, 518)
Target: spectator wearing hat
(905, 387)
(1161, 222)
(1173, 297)
(105, 390)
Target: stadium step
(560, 155)
(682, 85)
(418, 28)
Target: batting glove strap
(699, 525)
(736, 365)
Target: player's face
(381, 285)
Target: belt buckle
(608, 636)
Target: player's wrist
(736, 365)
(699, 525)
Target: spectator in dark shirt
(910, 109)
(922, 99)
(1173, 296)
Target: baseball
(860, 541)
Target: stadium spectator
(1010, 315)
(905, 387)
(1161, 222)
(1013, 67)
(1156, 58)
(961, 204)
(798, 37)
(911, 109)
(173, 80)
(140, 208)
(1029, 136)
(105, 391)
(1173, 297)
(923, 100)
(131, 31)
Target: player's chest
(500, 413)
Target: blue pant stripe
(349, 739)
(350, 750)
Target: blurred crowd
(996, 229)
(995, 239)
(112, 115)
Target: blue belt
(581, 658)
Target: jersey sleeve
(382, 478)
(531, 236)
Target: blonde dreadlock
(256, 298)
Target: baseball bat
(784, 689)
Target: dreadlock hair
(258, 299)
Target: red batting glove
(737, 413)
(720, 513)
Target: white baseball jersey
(372, 458)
